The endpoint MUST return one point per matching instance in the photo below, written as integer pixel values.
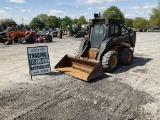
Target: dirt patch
(79, 100)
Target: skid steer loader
(109, 43)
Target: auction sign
(38, 60)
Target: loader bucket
(79, 67)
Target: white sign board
(38, 60)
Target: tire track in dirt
(28, 93)
(92, 101)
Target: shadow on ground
(54, 73)
(4, 46)
(99, 78)
(137, 61)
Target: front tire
(110, 61)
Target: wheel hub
(114, 61)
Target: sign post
(38, 60)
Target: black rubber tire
(107, 61)
(126, 56)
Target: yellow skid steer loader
(109, 43)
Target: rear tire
(126, 56)
(110, 61)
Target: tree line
(138, 22)
(43, 20)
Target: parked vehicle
(104, 48)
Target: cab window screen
(98, 35)
(114, 30)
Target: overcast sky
(28, 9)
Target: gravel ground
(131, 92)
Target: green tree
(155, 16)
(52, 22)
(158, 4)
(140, 22)
(7, 22)
(81, 20)
(42, 17)
(128, 22)
(67, 21)
(75, 21)
(113, 12)
(37, 23)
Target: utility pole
(22, 21)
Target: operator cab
(102, 29)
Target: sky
(23, 11)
